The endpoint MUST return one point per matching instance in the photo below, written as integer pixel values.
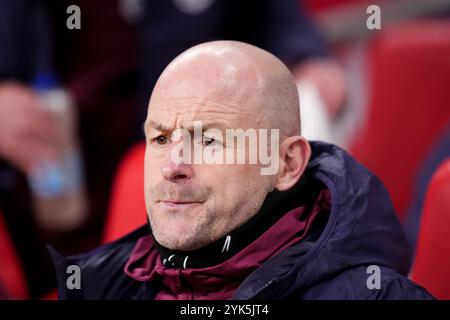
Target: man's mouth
(177, 204)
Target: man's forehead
(198, 88)
(231, 91)
(188, 125)
(223, 82)
(185, 116)
(198, 106)
(176, 113)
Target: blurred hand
(28, 133)
(328, 77)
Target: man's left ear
(294, 157)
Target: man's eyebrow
(150, 124)
(206, 126)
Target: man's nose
(176, 171)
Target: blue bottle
(58, 186)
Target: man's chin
(176, 213)
(181, 237)
(180, 244)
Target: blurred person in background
(109, 67)
(99, 73)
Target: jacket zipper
(260, 290)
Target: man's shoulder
(97, 274)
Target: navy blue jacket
(362, 230)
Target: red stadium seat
(409, 104)
(431, 267)
(127, 208)
(11, 273)
(320, 6)
(52, 295)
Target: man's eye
(161, 140)
(207, 140)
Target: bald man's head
(251, 79)
(224, 85)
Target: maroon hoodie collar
(220, 281)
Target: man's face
(192, 205)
